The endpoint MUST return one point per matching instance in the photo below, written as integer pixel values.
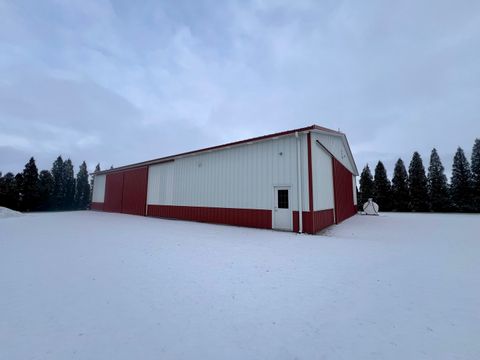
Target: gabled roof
(232, 144)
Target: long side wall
(230, 186)
(236, 185)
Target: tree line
(50, 190)
(416, 190)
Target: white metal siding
(304, 171)
(99, 188)
(322, 178)
(160, 184)
(336, 146)
(237, 177)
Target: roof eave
(224, 146)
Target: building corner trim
(310, 182)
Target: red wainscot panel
(342, 183)
(134, 197)
(113, 192)
(321, 220)
(96, 206)
(240, 217)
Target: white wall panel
(304, 170)
(354, 184)
(237, 177)
(322, 177)
(160, 184)
(336, 146)
(99, 188)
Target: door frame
(290, 208)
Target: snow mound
(6, 213)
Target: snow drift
(6, 213)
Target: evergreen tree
(18, 191)
(382, 188)
(417, 183)
(461, 183)
(476, 175)
(82, 194)
(69, 185)
(400, 192)
(437, 184)
(366, 185)
(8, 191)
(97, 169)
(46, 190)
(59, 186)
(30, 188)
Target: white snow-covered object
(6, 212)
(370, 207)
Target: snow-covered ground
(92, 285)
(6, 212)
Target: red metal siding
(134, 198)
(240, 217)
(343, 191)
(295, 221)
(322, 219)
(96, 206)
(113, 192)
(313, 224)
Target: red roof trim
(255, 139)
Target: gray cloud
(116, 82)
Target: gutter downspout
(299, 185)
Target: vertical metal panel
(160, 184)
(336, 146)
(304, 170)
(113, 192)
(354, 184)
(322, 219)
(241, 177)
(98, 195)
(96, 206)
(322, 178)
(134, 191)
(239, 217)
(310, 174)
(314, 221)
(344, 206)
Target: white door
(282, 210)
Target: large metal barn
(261, 182)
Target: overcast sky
(118, 82)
